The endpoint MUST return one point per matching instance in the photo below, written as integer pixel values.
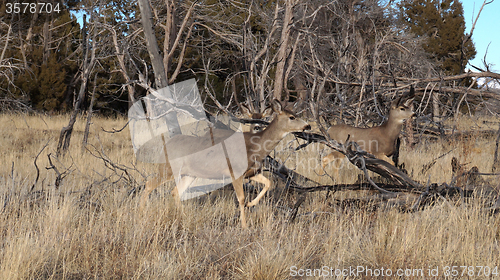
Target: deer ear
(277, 107)
(246, 111)
(408, 102)
(267, 112)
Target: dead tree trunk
(283, 50)
(89, 119)
(7, 39)
(27, 43)
(152, 45)
(46, 38)
(496, 160)
(435, 106)
(156, 60)
(65, 136)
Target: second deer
(380, 140)
(202, 164)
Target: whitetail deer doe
(380, 140)
(258, 146)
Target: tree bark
(23, 51)
(169, 34)
(152, 45)
(496, 160)
(7, 39)
(27, 42)
(65, 136)
(283, 50)
(435, 106)
(46, 39)
(89, 119)
(156, 61)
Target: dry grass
(90, 226)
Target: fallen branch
(363, 160)
(303, 185)
(59, 176)
(115, 130)
(428, 166)
(36, 166)
(111, 165)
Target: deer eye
(292, 118)
(403, 108)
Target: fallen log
(363, 160)
(402, 183)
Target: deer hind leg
(240, 194)
(259, 178)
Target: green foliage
(442, 23)
(51, 86)
(47, 70)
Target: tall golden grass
(90, 226)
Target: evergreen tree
(51, 86)
(442, 23)
(45, 44)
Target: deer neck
(392, 127)
(273, 135)
(260, 144)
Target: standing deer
(380, 140)
(258, 145)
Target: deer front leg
(240, 194)
(155, 182)
(259, 178)
(335, 157)
(326, 160)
